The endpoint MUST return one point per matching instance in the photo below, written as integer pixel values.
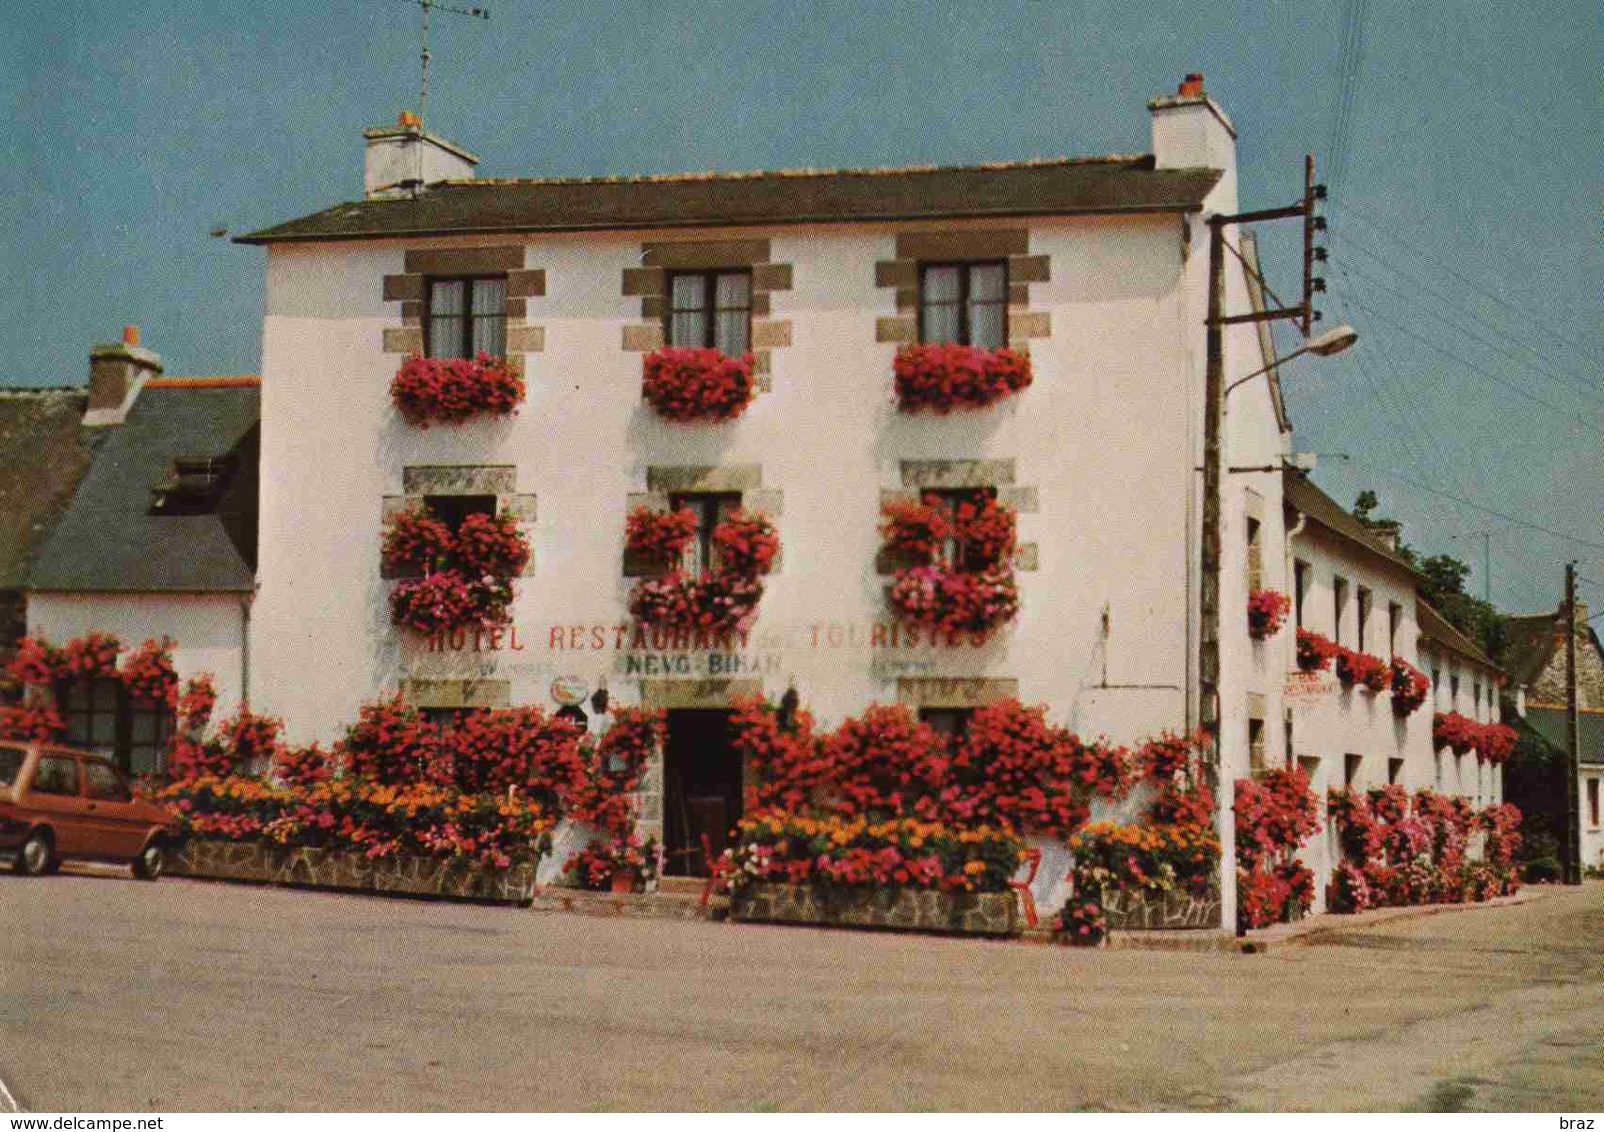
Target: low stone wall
(351, 872)
(1169, 911)
(896, 909)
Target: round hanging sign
(568, 690)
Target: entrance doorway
(701, 788)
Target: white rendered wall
(209, 630)
(1102, 435)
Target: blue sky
(1462, 142)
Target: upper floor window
(1255, 556)
(711, 308)
(1300, 586)
(453, 509)
(1339, 607)
(950, 723)
(467, 316)
(710, 508)
(1364, 618)
(956, 551)
(1256, 746)
(964, 302)
(1394, 623)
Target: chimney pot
(130, 335)
(408, 118)
(1192, 85)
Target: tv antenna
(427, 6)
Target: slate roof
(111, 538)
(1322, 509)
(44, 454)
(1550, 724)
(1059, 186)
(1438, 629)
(1532, 639)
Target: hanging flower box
(452, 579)
(1497, 743)
(948, 601)
(1315, 652)
(659, 538)
(716, 602)
(1355, 667)
(1410, 686)
(724, 598)
(1457, 732)
(697, 384)
(429, 391)
(1267, 611)
(941, 377)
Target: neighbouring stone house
(158, 538)
(1097, 266)
(1535, 657)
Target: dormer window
(467, 316)
(192, 485)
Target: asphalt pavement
(117, 994)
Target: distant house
(158, 539)
(1535, 658)
(45, 450)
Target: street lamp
(1332, 341)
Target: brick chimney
(117, 370)
(1190, 131)
(403, 159)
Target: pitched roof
(1532, 639)
(1321, 508)
(44, 454)
(1025, 188)
(113, 538)
(1550, 724)
(1438, 629)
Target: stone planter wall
(352, 872)
(896, 909)
(1169, 911)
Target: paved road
(121, 995)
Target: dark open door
(701, 788)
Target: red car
(57, 803)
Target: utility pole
(1573, 770)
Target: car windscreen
(10, 764)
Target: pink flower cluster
(1267, 610)
(952, 602)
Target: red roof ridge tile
(235, 381)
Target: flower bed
(941, 377)
(689, 385)
(1275, 816)
(429, 391)
(1401, 850)
(722, 599)
(1267, 611)
(622, 864)
(345, 871)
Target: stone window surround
(649, 283)
(429, 693)
(411, 288)
(663, 482)
(955, 691)
(419, 481)
(1011, 245)
(921, 475)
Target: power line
(1351, 244)
(1365, 218)
(1401, 478)
(1573, 415)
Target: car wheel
(36, 855)
(151, 861)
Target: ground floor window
(951, 724)
(102, 717)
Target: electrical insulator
(1320, 255)
(1319, 192)
(1317, 284)
(1318, 316)
(1319, 223)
